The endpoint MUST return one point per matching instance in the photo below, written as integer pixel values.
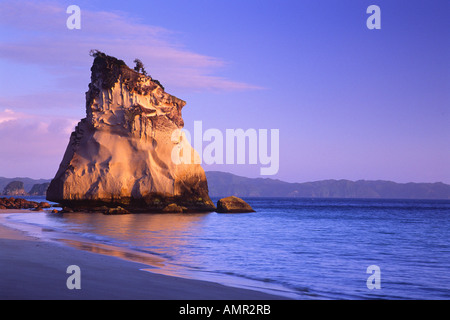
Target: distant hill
(226, 184)
(223, 184)
(39, 189)
(27, 182)
(14, 188)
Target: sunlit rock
(233, 205)
(121, 153)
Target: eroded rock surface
(233, 205)
(121, 153)
(14, 188)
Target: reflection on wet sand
(122, 253)
(164, 236)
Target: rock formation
(121, 153)
(233, 205)
(39, 189)
(19, 203)
(14, 188)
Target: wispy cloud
(44, 100)
(7, 115)
(41, 37)
(12, 124)
(33, 143)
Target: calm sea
(299, 248)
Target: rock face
(121, 154)
(233, 205)
(14, 188)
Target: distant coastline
(223, 183)
(23, 186)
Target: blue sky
(350, 103)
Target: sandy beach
(35, 269)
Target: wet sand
(33, 269)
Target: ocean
(297, 248)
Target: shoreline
(36, 269)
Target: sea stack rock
(233, 205)
(122, 153)
(39, 189)
(14, 188)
